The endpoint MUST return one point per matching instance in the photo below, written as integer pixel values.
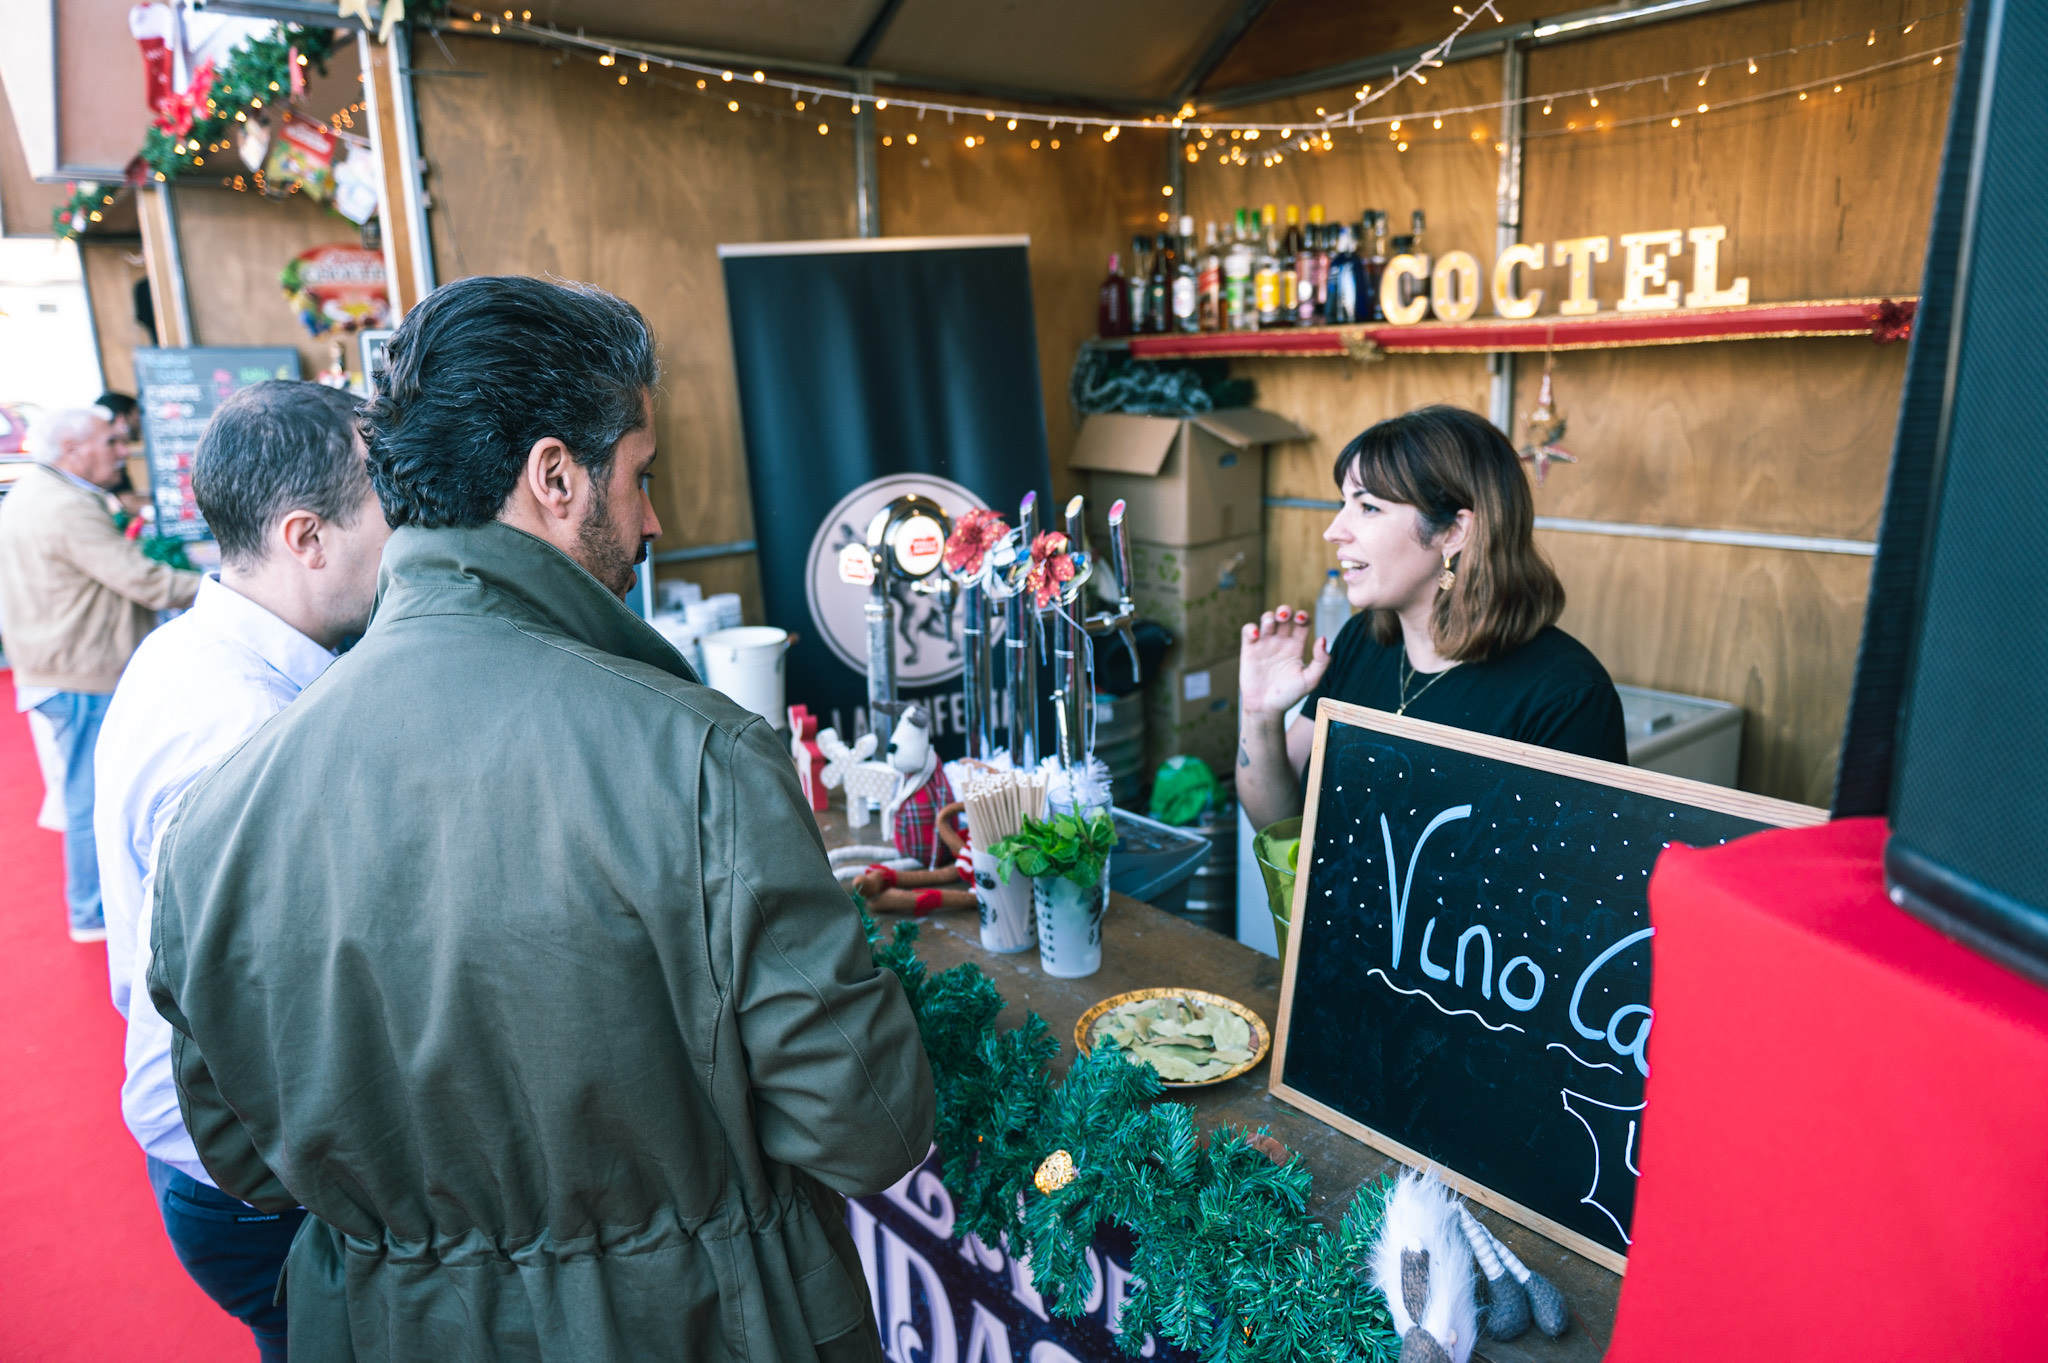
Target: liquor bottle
(1209, 285)
(1112, 303)
(1290, 268)
(1373, 267)
(1159, 287)
(1186, 281)
(1314, 270)
(1138, 280)
(1344, 303)
(1411, 286)
(1266, 273)
(1240, 305)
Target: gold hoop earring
(1448, 578)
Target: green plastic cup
(1278, 848)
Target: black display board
(180, 390)
(869, 369)
(1468, 974)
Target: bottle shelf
(1881, 319)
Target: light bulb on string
(1752, 66)
(760, 76)
(823, 129)
(881, 104)
(732, 106)
(1437, 123)
(725, 75)
(911, 139)
(1013, 125)
(643, 68)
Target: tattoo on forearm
(1244, 756)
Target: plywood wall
(1078, 204)
(235, 246)
(112, 269)
(1825, 198)
(539, 167)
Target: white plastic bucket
(746, 664)
(1007, 916)
(1070, 925)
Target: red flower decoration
(175, 115)
(974, 534)
(1051, 567)
(1893, 321)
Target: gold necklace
(1408, 674)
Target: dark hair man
(76, 598)
(279, 475)
(510, 951)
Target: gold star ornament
(1056, 1173)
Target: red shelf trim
(1880, 319)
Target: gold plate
(1084, 1030)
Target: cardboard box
(1203, 595)
(1186, 480)
(1192, 709)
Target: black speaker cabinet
(1968, 779)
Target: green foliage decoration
(1228, 1262)
(257, 76)
(1065, 845)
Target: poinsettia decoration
(1893, 321)
(1052, 567)
(974, 534)
(175, 115)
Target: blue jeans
(76, 716)
(232, 1250)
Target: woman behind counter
(1456, 614)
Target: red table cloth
(1845, 1148)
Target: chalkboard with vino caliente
(1468, 972)
(180, 390)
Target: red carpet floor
(86, 1272)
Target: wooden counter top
(1143, 947)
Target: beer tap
(906, 543)
(1020, 647)
(1120, 621)
(1074, 700)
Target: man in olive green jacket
(511, 952)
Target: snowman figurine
(912, 812)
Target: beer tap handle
(1120, 551)
(1027, 519)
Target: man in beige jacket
(76, 597)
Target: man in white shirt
(279, 476)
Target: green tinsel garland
(257, 75)
(1228, 1261)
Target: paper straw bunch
(998, 802)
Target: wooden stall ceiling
(112, 269)
(540, 168)
(1078, 204)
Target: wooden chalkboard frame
(1719, 799)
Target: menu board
(1469, 974)
(180, 391)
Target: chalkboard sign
(1468, 974)
(180, 390)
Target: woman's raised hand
(1271, 675)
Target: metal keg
(1212, 891)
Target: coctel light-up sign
(1414, 287)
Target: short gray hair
(273, 448)
(50, 432)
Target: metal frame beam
(878, 29)
(1227, 38)
(1567, 27)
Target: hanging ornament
(1056, 1173)
(974, 534)
(1545, 427)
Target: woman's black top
(1551, 691)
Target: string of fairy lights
(1229, 138)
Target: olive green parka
(512, 953)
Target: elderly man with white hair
(77, 597)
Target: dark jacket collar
(493, 569)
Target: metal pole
(1020, 622)
(867, 208)
(412, 167)
(1508, 216)
(974, 665)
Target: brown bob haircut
(1442, 460)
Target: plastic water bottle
(1333, 608)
